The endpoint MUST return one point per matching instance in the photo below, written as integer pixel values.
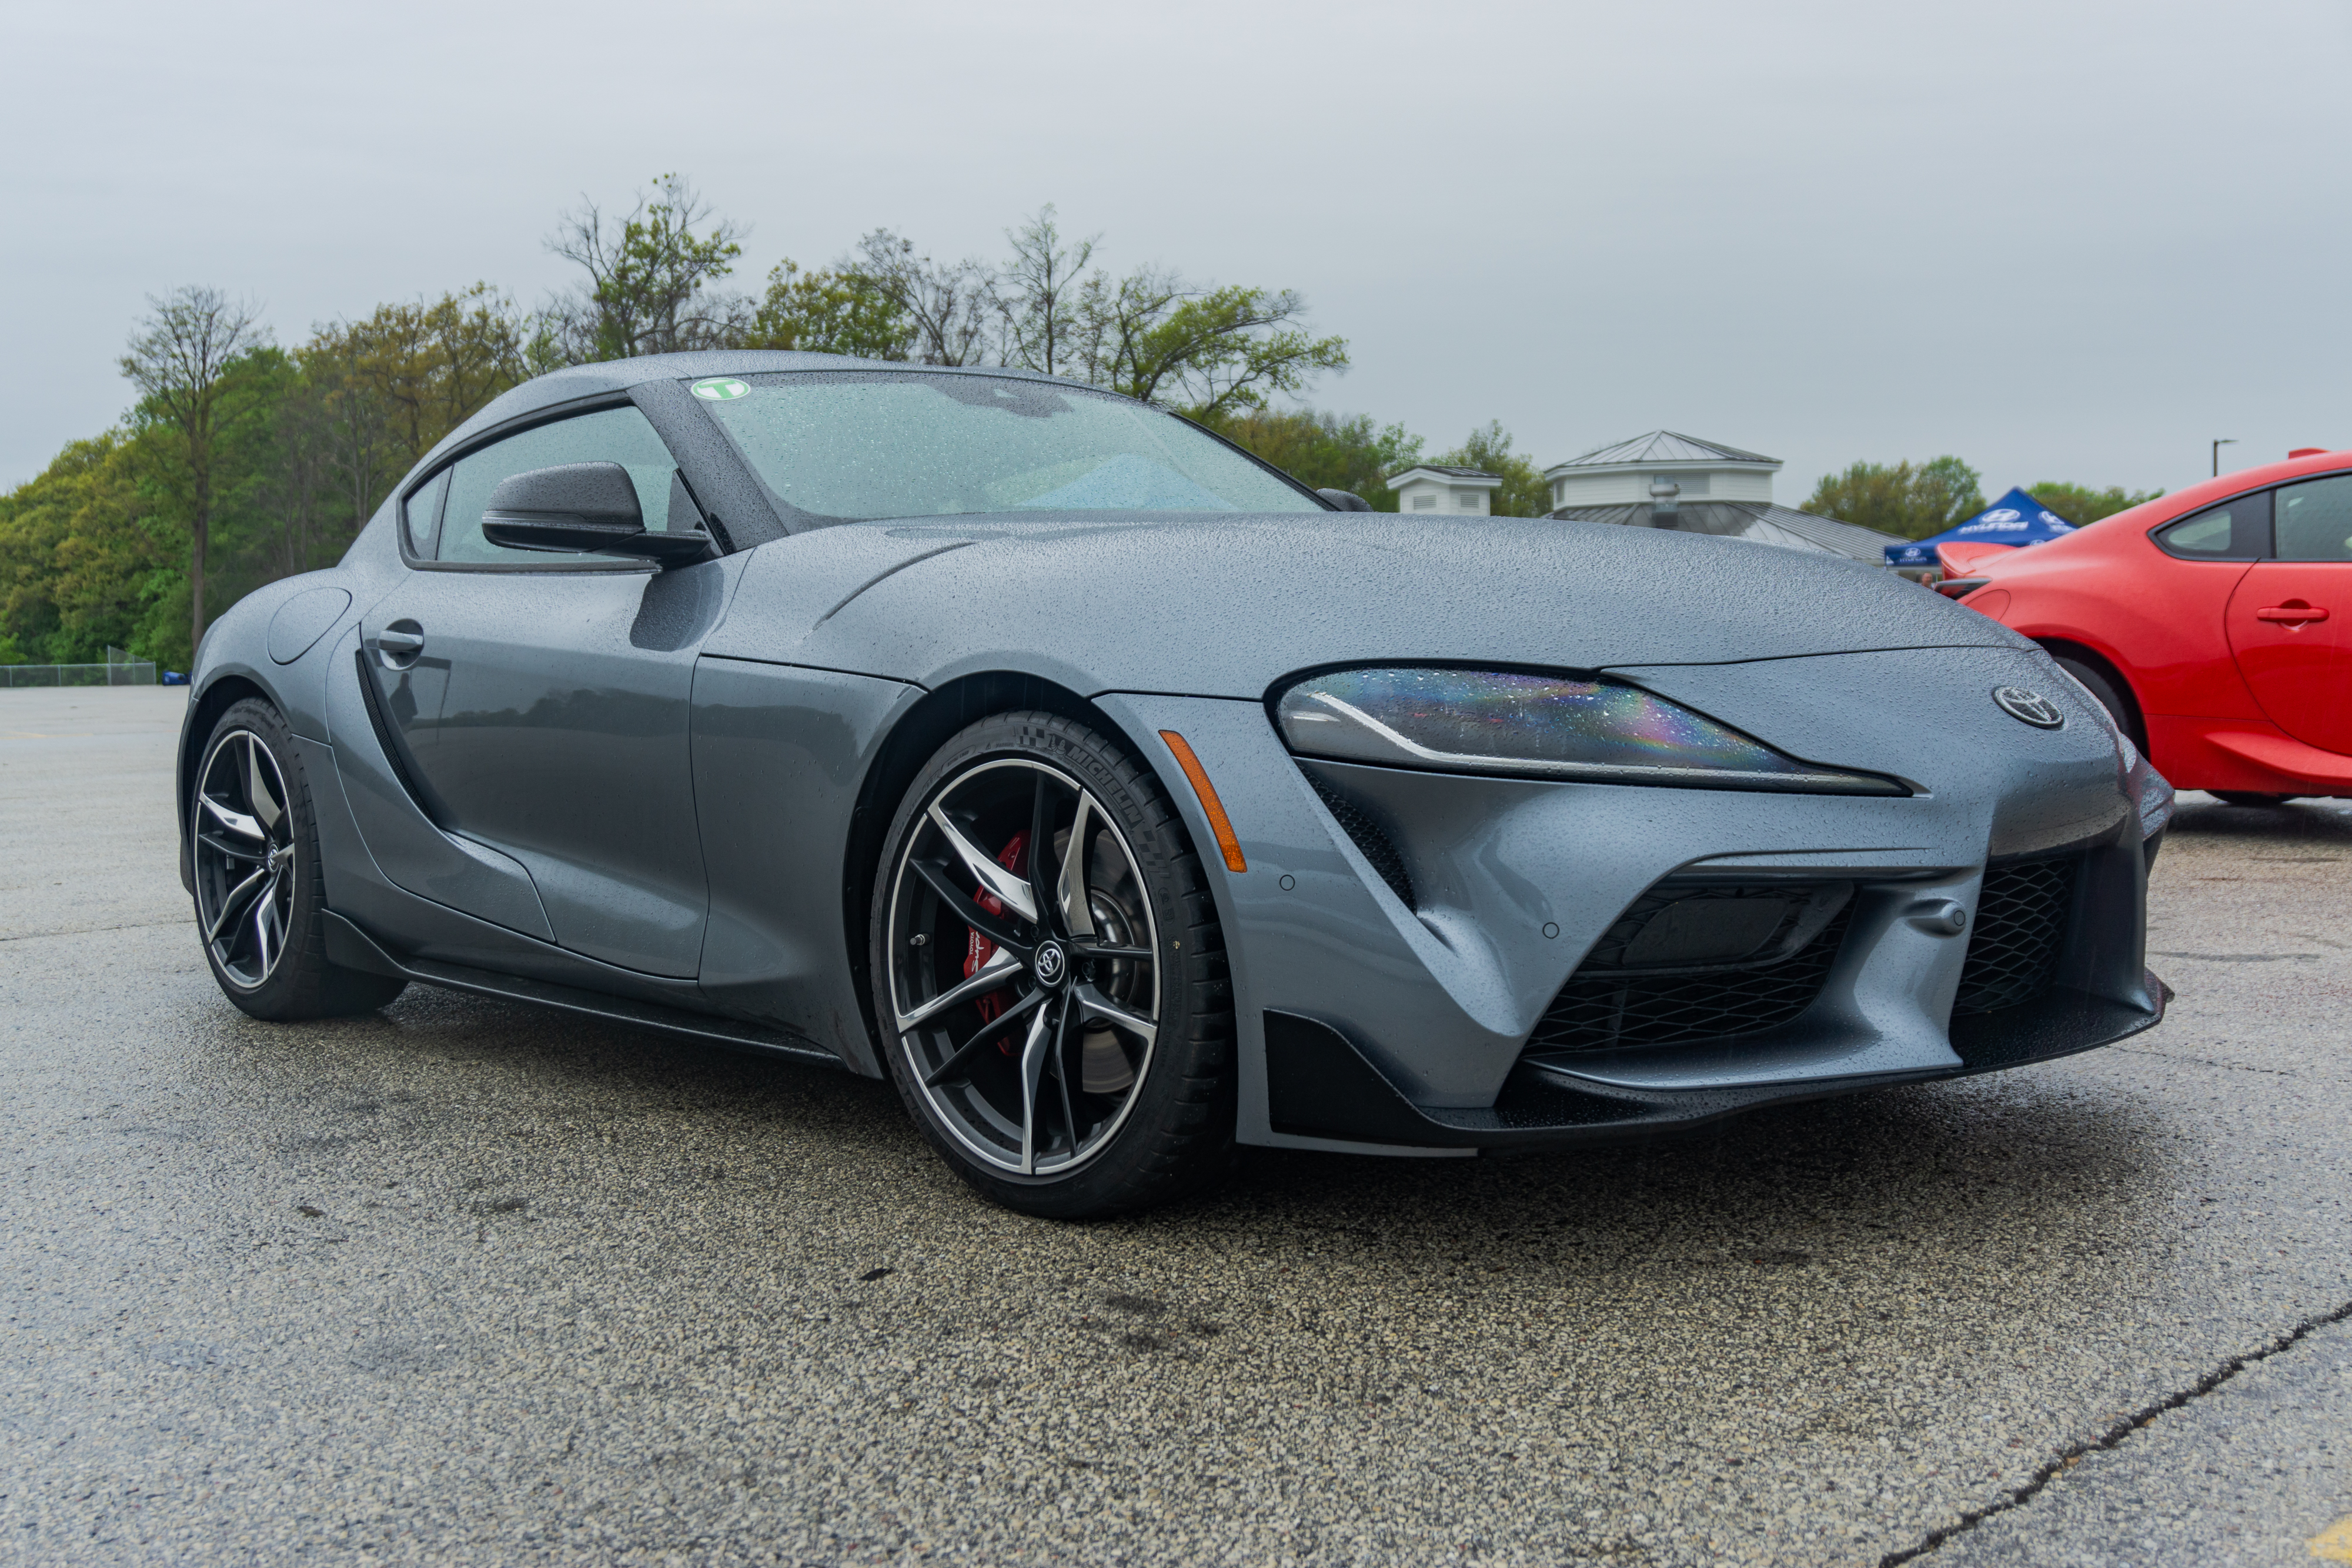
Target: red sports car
(2215, 625)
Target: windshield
(891, 444)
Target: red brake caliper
(979, 949)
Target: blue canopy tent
(2017, 518)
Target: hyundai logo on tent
(2017, 518)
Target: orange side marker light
(1219, 823)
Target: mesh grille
(2021, 924)
(1370, 837)
(1597, 1010)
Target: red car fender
(2156, 621)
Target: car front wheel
(1048, 973)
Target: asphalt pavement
(464, 1282)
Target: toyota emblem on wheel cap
(1049, 964)
(2030, 706)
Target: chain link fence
(120, 669)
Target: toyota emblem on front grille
(2031, 706)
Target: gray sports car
(1120, 799)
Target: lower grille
(1601, 1010)
(2020, 925)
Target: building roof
(1760, 520)
(1441, 471)
(1662, 446)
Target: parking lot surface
(465, 1282)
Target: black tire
(2119, 707)
(1163, 1130)
(260, 888)
(2249, 798)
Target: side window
(422, 515)
(2237, 530)
(609, 435)
(2315, 519)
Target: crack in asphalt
(2206, 1061)
(91, 930)
(2018, 1497)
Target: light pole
(2227, 441)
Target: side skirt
(354, 950)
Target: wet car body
(659, 794)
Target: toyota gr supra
(1121, 800)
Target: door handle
(398, 644)
(2294, 613)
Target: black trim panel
(354, 950)
(1319, 1085)
(394, 752)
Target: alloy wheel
(1025, 987)
(244, 858)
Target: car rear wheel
(260, 889)
(2097, 681)
(1060, 1023)
(2249, 798)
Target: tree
(829, 311)
(179, 360)
(375, 395)
(952, 305)
(2082, 506)
(652, 279)
(1325, 450)
(1911, 501)
(1206, 351)
(1037, 294)
(87, 560)
(1523, 493)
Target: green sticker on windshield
(722, 389)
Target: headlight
(1546, 726)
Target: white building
(1669, 480)
(1435, 487)
(1662, 465)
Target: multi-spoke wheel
(254, 853)
(1047, 972)
(244, 858)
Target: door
(2288, 619)
(559, 736)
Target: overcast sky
(2063, 241)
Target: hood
(1225, 606)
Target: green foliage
(287, 459)
(240, 463)
(829, 312)
(652, 279)
(1204, 351)
(1909, 500)
(2081, 505)
(1324, 449)
(1523, 493)
(181, 360)
(87, 559)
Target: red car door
(2291, 618)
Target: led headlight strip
(1539, 726)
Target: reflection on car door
(561, 736)
(2289, 616)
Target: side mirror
(581, 507)
(1346, 500)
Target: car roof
(576, 381)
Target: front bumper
(1370, 1023)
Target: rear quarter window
(2237, 529)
